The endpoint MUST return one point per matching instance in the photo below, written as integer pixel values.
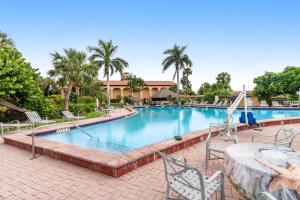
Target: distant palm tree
(5, 40)
(102, 56)
(135, 83)
(223, 79)
(72, 70)
(179, 59)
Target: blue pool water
(153, 125)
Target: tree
(176, 56)
(284, 83)
(5, 40)
(223, 80)
(103, 57)
(204, 88)
(173, 88)
(18, 78)
(186, 83)
(71, 70)
(135, 83)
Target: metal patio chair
(34, 117)
(188, 182)
(266, 196)
(219, 138)
(284, 136)
(69, 115)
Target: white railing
(235, 104)
(60, 129)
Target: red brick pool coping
(113, 164)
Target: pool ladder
(58, 130)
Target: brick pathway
(46, 178)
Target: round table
(253, 168)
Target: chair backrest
(33, 116)
(222, 133)
(225, 102)
(275, 103)
(68, 114)
(263, 103)
(286, 135)
(173, 172)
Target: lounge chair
(284, 136)
(69, 115)
(203, 103)
(13, 124)
(225, 103)
(295, 104)
(34, 117)
(287, 103)
(219, 138)
(263, 103)
(276, 104)
(189, 182)
(220, 103)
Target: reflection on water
(152, 125)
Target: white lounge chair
(67, 114)
(287, 103)
(276, 104)
(34, 117)
(263, 103)
(13, 124)
(225, 103)
(295, 104)
(220, 103)
(189, 182)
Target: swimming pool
(152, 125)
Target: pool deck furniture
(263, 103)
(70, 115)
(225, 103)
(276, 104)
(188, 181)
(295, 104)
(286, 104)
(256, 167)
(13, 124)
(267, 196)
(219, 137)
(284, 136)
(34, 117)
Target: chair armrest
(215, 175)
(268, 195)
(182, 159)
(267, 136)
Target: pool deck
(113, 164)
(46, 178)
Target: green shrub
(183, 101)
(82, 108)
(127, 99)
(121, 105)
(58, 99)
(86, 99)
(117, 101)
(43, 106)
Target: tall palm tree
(103, 57)
(71, 70)
(135, 83)
(176, 56)
(223, 79)
(5, 40)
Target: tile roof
(149, 83)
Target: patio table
(253, 168)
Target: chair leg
(206, 158)
(222, 187)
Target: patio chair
(67, 114)
(287, 103)
(263, 103)
(266, 195)
(284, 136)
(188, 182)
(220, 103)
(219, 138)
(34, 117)
(225, 103)
(276, 104)
(295, 104)
(13, 124)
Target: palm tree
(103, 57)
(71, 69)
(179, 59)
(135, 83)
(5, 40)
(223, 79)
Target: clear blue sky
(244, 38)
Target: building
(120, 89)
(251, 99)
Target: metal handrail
(50, 125)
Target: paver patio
(46, 178)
